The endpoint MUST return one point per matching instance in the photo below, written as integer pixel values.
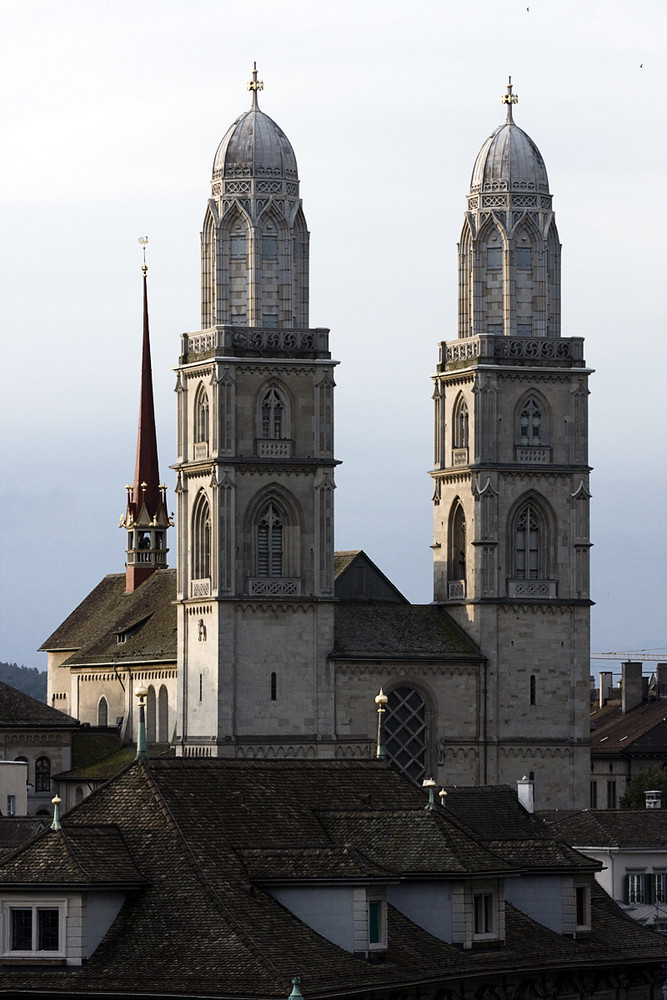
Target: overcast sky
(112, 112)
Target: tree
(652, 777)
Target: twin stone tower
(282, 644)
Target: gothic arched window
(270, 542)
(457, 546)
(530, 424)
(163, 715)
(201, 539)
(42, 774)
(273, 415)
(150, 714)
(201, 416)
(102, 712)
(527, 562)
(405, 732)
(460, 420)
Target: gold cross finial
(254, 85)
(509, 99)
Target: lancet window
(201, 416)
(461, 423)
(530, 424)
(270, 532)
(273, 415)
(527, 544)
(201, 539)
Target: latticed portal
(405, 732)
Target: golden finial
(143, 240)
(509, 99)
(254, 85)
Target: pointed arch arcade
(201, 538)
(456, 551)
(273, 531)
(531, 534)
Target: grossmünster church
(265, 642)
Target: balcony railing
(273, 448)
(200, 588)
(459, 456)
(542, 589)
(456, 590)
(533, 455)
(268, 586)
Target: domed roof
(254, 146)
(509, 160)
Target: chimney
(605, 686)
(631, 694)
(526, 791)
(654, 799)
(661, 672)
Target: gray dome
(254, 146)
(509, 160)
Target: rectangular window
(583, 904)
(11, 805)
(377, 923)
(658, 887)
(494, 258)
(35, 928)
(636, 887)
(594, 794)
(483, 913)
(524, 258)
(611, 794)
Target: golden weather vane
(254, 85)
(509, 99)
(143, 240)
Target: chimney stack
(526, 791)
(631, 693)
(654, 799)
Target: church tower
(146, 519)
(255, 469)
(511, 475)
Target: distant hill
(30, 680)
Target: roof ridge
(246, 938)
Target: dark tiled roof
(626, 828)
(112, 764)
(16, 830)
(369, 584)
(92, 630)
(201, 927)
(20, 710)
(525, 842)
(386, 630)
(74, 855)
(344, 559)
(643, 727)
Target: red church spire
(146, 518)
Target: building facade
(511, 490)
(280, 645)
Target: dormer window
(34, 929)
(483, 915)
(377, 924)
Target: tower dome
(509, 160)
(255, 147)
(255, 237)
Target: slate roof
(202, 925)
(504, 827)
(387, 630)
(16, 830)
(91, 631)
(20, 710)
(642, 729)
(73, 856)
(638, 829)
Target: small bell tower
(145, 519)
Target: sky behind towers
(113, 112)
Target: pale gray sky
(112, 114)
